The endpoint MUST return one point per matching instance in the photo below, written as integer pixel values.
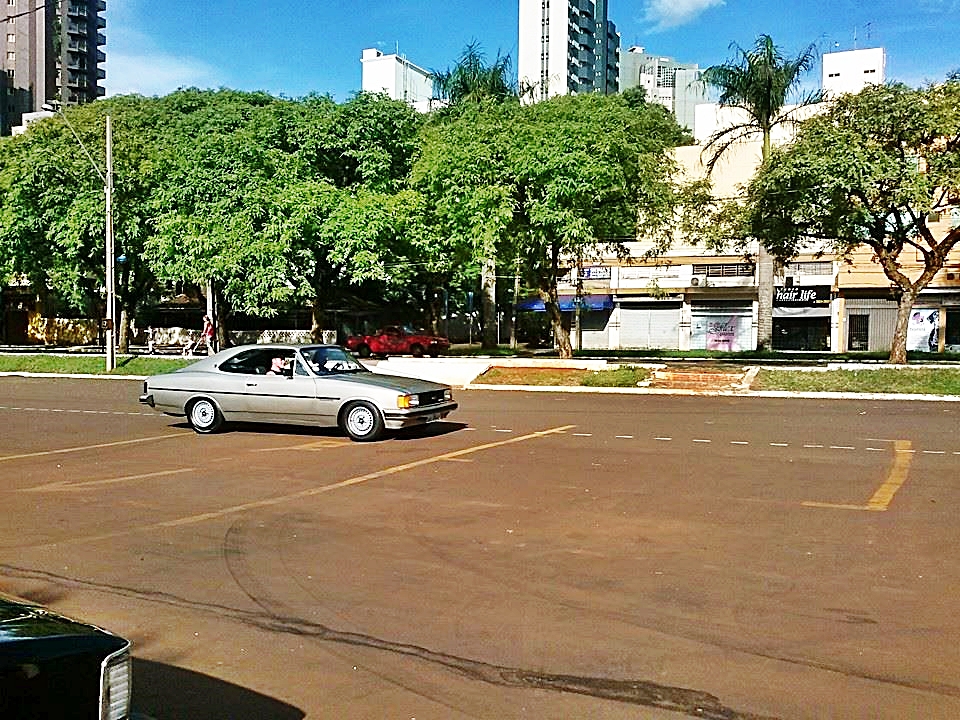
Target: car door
(277, 396)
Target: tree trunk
(123, 330)
(764, 300)
(898, 346)
(488, 282)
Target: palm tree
(473, 81)
(758, 82)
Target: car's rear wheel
(433, 353)
(204, 416)
(364, 351)
(417, 350)
(362, 421)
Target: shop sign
(813, 295)
(599, 272)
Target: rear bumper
(408, 418)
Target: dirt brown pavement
(541, 556)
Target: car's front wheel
(364, 351)
(416, 350)
(204, 416)
(362, 421)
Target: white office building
(850, 71)
(674, 85)
(396, 77)
(567, 47)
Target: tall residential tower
(567, 47)
(51, 52)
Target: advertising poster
(923, 332)
(722, 334)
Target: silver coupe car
(295, 385)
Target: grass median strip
(920, 381)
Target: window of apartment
(724, 270)
(11, 55)
(10, 73)
(11, 2)
(11, 38)
(819, 267)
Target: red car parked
(396, 340)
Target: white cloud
(134, 64)
(666, 14)
(154, 74)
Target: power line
(42, 6)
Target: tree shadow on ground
(166, 692)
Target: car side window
(247, 363)
(256, 361)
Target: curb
(71, 376)
(713, 393)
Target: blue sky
(294, 47)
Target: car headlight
(115, 686)
(448, 394)
(408, 401)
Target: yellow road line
(309, 492)
(64, 486)
(324, 444)
(902, 457)
(898, 475)
(81, 448)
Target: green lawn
(924, 381)
(89, 364)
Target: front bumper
(397, 419)
(147, 399)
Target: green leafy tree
(758, 82)
(565, 178)
(52, 211)
(472, 83)
(872, 171)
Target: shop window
(953, 329)
(858, 335)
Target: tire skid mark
(693, 703)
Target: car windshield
(327, 360)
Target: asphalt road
(541, 556)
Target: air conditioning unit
(698, 281)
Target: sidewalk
(461, 372)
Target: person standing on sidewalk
(208, 334)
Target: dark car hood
(21, 622)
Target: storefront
(801, 318)
(722, 325)
(648, 324)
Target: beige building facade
(694, 299)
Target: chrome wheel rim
(203, 414)
(360, 420)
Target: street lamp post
(111, 309)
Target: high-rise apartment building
(51, 51)
(674, 85)
(567, 47)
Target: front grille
(431, 398)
